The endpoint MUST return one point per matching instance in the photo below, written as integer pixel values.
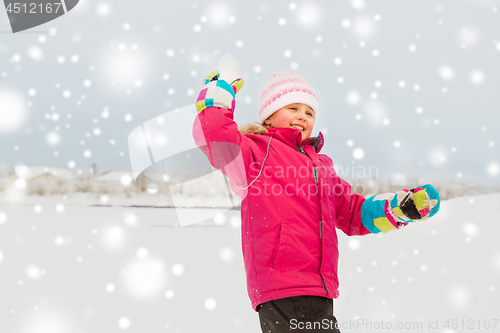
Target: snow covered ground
(69, 268)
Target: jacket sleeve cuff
(216, 93)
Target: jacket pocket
(282, 246)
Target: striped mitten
(384, 212)
(220, 86)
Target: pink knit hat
(283, 88)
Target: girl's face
(297, 115)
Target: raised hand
(220, 86)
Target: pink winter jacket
(292, 201)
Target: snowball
(477, 77)
(358, 153)
(219, 219)
(47, 320)
(113, 237)
(469, 37)
(33, 272)
(126, 180)
(346, 23)
(375, 112)
(354, 244)
(53, 138)
(169, 294)
(59, 241)
(124, 322)
(364, 27)
(144, 278)
(496, 262)
(226, 254)
(309, 14)
(130, 219)
(142, 253)
(103, 9)
(3, 217)
(60, 208)
(110, 287)
(353, 98)
(35, 53)
(177, 269)
(20, 183)
(493, 169)
(437, 156)
(235, 222)
(218, 14)
(459, 296)
(210, 303)
(446, 72)
(470, 229)
(12, 111)
(358, 4)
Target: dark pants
(298, 314)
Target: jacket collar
(293, 138)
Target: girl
(292, 199)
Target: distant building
(123, 181)
(42, 180)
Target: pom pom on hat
(283, 88)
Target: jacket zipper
(321, 236)
(315, 172)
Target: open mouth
(297, 127)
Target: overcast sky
(410, 87)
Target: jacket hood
(253, 128)
(289, 136)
